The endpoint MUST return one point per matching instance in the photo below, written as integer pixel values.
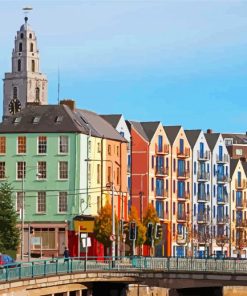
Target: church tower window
(14, 92)
(22, 35)
(30, 36)
(37, 94)
(20, 47)
(31, 47)
(33, 66)
(19, 65)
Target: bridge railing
(43, 268)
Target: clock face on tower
(14, 106)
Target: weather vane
(26, 10)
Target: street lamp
(113, 246)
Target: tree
(103, 225)
(141, 229)
(9, 233)
(151, 216)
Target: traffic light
(132, 231)
(31, 230)
(158, 231)
(150, 230)
(125, 226)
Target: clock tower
(25, 84)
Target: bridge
(81, 276)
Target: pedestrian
(66, 254)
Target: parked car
(7, 261)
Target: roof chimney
(68, 102)
(209, 131)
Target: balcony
(222, 219)
(203, 219)
(203, 156)
(223, 159)
(183, 175)
(223, 199)
(222, 178)
(203, 177)
(162, 171)
(203, 197)
(183, 196)
(182, 217)
(164, 150)
(181, 239)
(240, 185)
(183, 154)
(240, 204)
(162, 194)
(241, 223)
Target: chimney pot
(209, 131)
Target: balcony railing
(181, 239)
(182, 217)
(223, 199)
(223, 159)
(223, 178)
(240, 204)
(203, 197)
(203, 156)
(183, 154)
(162, 193)
(222, 219)
(185, 174)
(162, 171)
(203, 218)
(240, 185)
(184, 195)
(241, 223)
(164, 150)
(203, 176)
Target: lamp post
(113, 245)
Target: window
(37, 94)
(30, 36)
(239, 152)
(122, 134)
(98, 204)
(47, 236)
(22, 35)
(160, 143)
(2, 169)
(20, 47)
(33, 66)
(42, 144)
(118, 176)
(31, 47)
(228, 141)
(63, 170)
(98, 173)
(109, 174)
(41, 202)
(19, 66)
(2, 145)
(152, 161)
(160, 209)
(22, 145)
(109, 149)
(152, 184)
(21, 170)
(15, 92)
(117, 150)
(63, 144)
(62, 203)
(19, 201)
(41, 170)
(98, 149)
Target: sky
(176, 61)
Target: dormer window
(20, 47)
(36, 119)
(17, 120)
(59, 119)
(31, 47)
(228, 141)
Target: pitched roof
(150, 128)
(237, 138)
(49, 119)
(59, 119)
(192, 136)
(233, 165)
(244, 164)
(103, 128)
(139, 128)
(113, 119)
(212, 139)
(172, 132)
